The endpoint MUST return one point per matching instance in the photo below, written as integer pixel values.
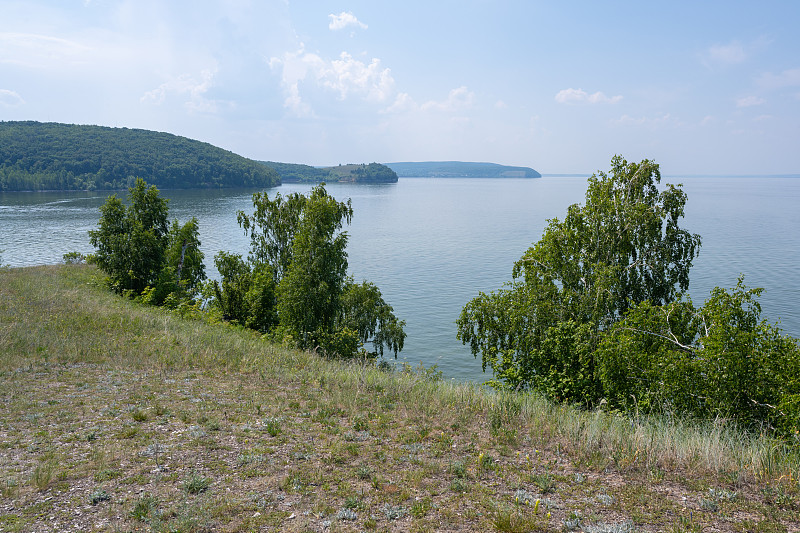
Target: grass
(144, 420)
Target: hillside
(52, 156)
(460, 169)
(356, 173)
(145, 420)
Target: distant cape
(460, 169)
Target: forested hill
(52, 156)
(357, 173)
(460, 169)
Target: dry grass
(118, 417)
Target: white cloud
(189, 86)
(345, 76)
(343, 20)
(10, 98)
(458, 99)
(787, 78)
(665, 120)
(749, 101)
(40, 51)
(579, 96)
(725, 54)
(403, 103)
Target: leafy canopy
(138, 249)
(294, 283)
(623, 247)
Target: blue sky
(701, 87)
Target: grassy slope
(118, 417)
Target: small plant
(623, 527)
(273, 426)
(195, 483)
(458, 485)
(421, 507)
(364, 472)
(43, 474)
(393, 512)
(523, 497)
(605, 499)
(485, 461)
(572, 522)
(360, 424)
(346, 514)
(708, 504)
(138, 415)
(9, 488)
(98, 496)
(511, 520)
(145, 508)
(545, 482)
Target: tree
(139, 249)
(246, 294)
(623, 247)
(272, 227)
(721, 360)
(131, 242)
(294, 283)
(309, 291)
(364, 311)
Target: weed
(99, 495)
(708, 504)
(421, 507)
(273, 426)
(9, 488)
(572, 522)
(145, 508)
(523, 497)
(195, 483)
(139, 415)
(626, 526)
(393, 512)
(346, 514)
(458, 485)
(513, 521)
(545, 482)
(42, 474)
(364, 472)
(458, 469)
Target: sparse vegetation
(357, 448)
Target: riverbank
(120, 417)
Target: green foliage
(294, 284)
(623, 247)
(141, 252)
(721, 360)
(131, 242)
(372, 173)
(363, 310)
(272, 227)
(50, 156)
(309, 292)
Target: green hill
(460, 169)
(52, 156)
(357, 173)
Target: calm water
(433, 244)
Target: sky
(708, 87)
